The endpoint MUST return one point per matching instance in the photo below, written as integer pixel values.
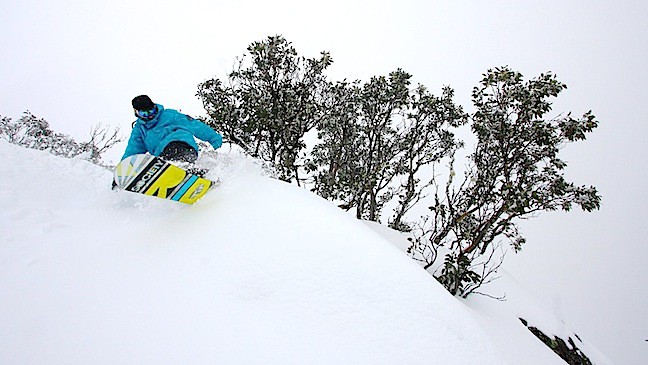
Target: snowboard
(150, 175)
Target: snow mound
(258, 271)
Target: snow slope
(258, 271)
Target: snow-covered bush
(33, 132)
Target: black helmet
(145, 109)
(143, 102)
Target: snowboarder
(167, 133)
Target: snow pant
(179, 152)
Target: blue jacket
(168, 125)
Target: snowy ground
(258, 271)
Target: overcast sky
(77, 63)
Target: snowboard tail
(150, 175)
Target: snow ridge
(258, 271)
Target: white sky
(77, 63)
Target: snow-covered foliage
(33, 132)
(515, 172)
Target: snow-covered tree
(332, 163)
(426, 137)
(515, 172)
(272, 99)
(377, 139)
(354, 161)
